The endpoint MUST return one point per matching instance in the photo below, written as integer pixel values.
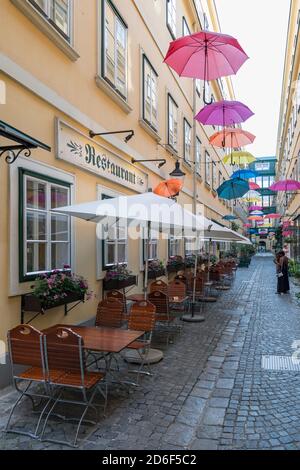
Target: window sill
(149, 130)
(109, 91)
(186, 165)
(45, 27)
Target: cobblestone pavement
(210, 391)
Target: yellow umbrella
(239, 158)
(252, 196)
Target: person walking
(282, 268)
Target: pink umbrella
(287, 233)
(247, 225)
(285, 185)
(254, 186)
(255, 208)
(272, 216)
(205, 55)
(224, 113)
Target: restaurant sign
(77, 149)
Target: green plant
(118, 272)
(294, 268)
(155, 265)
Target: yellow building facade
(288, 143)
(68, 67)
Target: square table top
(111, 340)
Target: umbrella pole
(192, 318)
(146, 261)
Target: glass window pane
(59, 227)
(36, 257)
(42, 4)
(59, 197)
(121, 57)
(36, 225)
(35, 194)
(110, 253)
(59, 13)
(60, 255)
(109, 43)
(121, 253)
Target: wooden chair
(177, 290)
(159, 286)
(180, 277)
(163, 319)
(117, 295)
(26, 348)
(142, 318)
(109, 313)
(64, 354)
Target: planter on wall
(116, 284)
(175, 269)
(31, 303)
(155, 273)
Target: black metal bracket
(130, 133)
(16, 151)
(42, 312)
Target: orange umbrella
(255, 218)
(169, 188)
(232, 138)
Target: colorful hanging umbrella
(233, 189)
(244, 174)
(285, 185)
(224, 113)
(205, 55)
(255, 208)
(231, 138)
(239, 158)
(252, 196)
(255, 218)
(272, 216)
(169, 188)
(247, 225)
(229, 217)
(256, 213)
(254, 186)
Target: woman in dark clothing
(283, 285)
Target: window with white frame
(198, 156)
(185, 27)
(214, 176)
(152, 249)
(190, 245)
(46, 235)
(187, 140)
(114, 48)
(57, 12)
(172, 123)
(149, 94)
(171, 17)
(207, 168)
(174, 246)
(114, 249)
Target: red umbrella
(254, 186)
(169, 188)
(205, 55)
(232, 138)
(272, 216)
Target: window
(114, 43)
(115, 244)
(207, 168)
(174, 246)
(190, 245)
(149, 94)
(198, 156)
(214, 176)
(171, 17)
(152, 249)
(198, 86)
(187, 140)
(58, 13)
(185, 27)
(172, 123)
(45, 243)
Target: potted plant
(156, 269)
(175, 263)
(59, 287)
(118, 277)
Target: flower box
(112, 284)
(155, 273)
(172, 268)
(31, 303)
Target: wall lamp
(130, 133)
(161, 160)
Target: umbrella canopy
(244, 174)
(252, 196)
(224, 113)
(205, 55)
(233, 189)
(272, 216)
(231, 138)
(169, 188)
(255, 218)
(229, 217)
(247, 225)
(254, 186)
(255, 208)
(257, 213)
(239, 158)
(285, 185)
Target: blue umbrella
(229, 217)
(244, 174)
(233, 189)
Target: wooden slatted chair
(180, 277)
(64, 352)
(109, 313)
(117, 295)
(159, 286)
(163, 319)
(26, 350)
(142, 318)
(178, 298)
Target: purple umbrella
(224, 113)
(285, 185)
